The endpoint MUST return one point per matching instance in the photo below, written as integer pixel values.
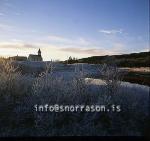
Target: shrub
(19, 93)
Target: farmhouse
(18, 58)
(33, 57)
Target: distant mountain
(141, 59)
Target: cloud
(58, 38)
(68, 41)
(113, 31)
(83, 41)
(17, 40)
(145, 50)
(8, 4)
(51, 51)
(81, 50)
(17, 48)
(91, 51)
(16, 45)
(5, 27)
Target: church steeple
(39, 52)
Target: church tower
(35, 57)
(39, 52)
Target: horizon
(6, 57)
(77, 28)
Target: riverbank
(137, 75)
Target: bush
(19, 93)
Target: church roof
(34, 56)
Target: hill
(141, 59)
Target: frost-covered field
(53, 83)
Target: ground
(41, 83)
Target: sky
(77, 28)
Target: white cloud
(79, 48)
(5, 27)
(145, 50)
(17, 40)
(51, 51)
(16, 48)
(83, 41)
(68, 41)
(58, 38)
(79, 52)
(113, 31)
(16, 45)
(84, 51)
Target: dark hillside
(141, 59)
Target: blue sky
(78, 28)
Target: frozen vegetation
(24, 84)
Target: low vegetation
(19, 93)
